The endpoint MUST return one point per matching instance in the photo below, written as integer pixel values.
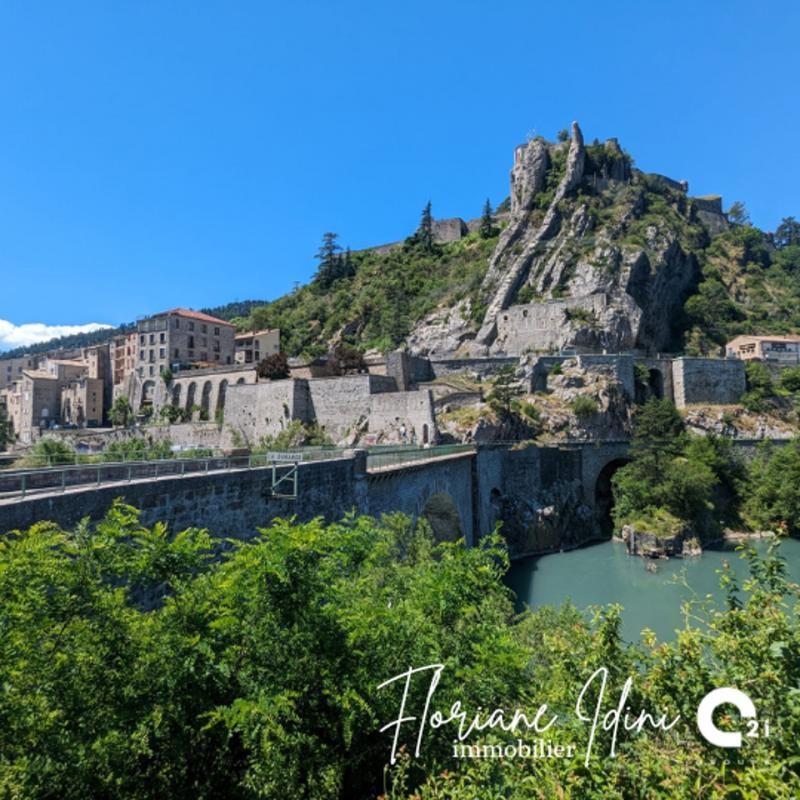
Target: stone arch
(190, 392)
(205, 400)
(176, 395)
(221, 392)
(442, 514)
(603, 495)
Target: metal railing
(18, 484)
(390, 457)
(22, 483)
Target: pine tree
(787, 233)
(487, 229)
(425, 231)
(330, 260)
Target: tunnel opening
(604, 495)
(656, 383)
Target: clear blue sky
(162, 154)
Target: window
(191, 342)
(191, 326)
(204, 341)
(141, 355)
(141, 339)
(152, 371)
(216, 331)
(152, 355)
(162, 337)
(162, 353)
(204, 328)
(177, 323)
(152, 338)
(177, 353)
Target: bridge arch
(604, 496)
(443, 516)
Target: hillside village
(585, 275)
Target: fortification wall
(540, 326)
(707, 380)
(391, 413)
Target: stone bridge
(460, 493)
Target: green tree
(486, 229)
(424, 235)
(787, 233)
(505, 389)
(121, 414)
(562, 135)
(329, 257)
(738, 214)
(790, 379)
(773, 489)
(274, 367)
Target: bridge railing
(21, 483)
(380, 458)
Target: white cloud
(12, 335)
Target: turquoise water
(605, 573)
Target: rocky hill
(593, 254)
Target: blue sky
(163, 154)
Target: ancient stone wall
(707, 380)
(539, 326)
(397, 413)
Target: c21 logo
(728, 696)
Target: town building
(177, 340)
(253, 347)
(780, 349)
(11, 369)
(123, 356)
(59, 392)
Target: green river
(604, 573)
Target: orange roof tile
(192, 314)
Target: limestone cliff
(595, 255)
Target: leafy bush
(274, 367)
(790, 379)
(50, 452)
(584, 406)
(295, 434)
(137, 449)
(254, 673)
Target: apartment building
(176, 340)
(253, 347)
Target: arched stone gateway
(656, 383)
(190, 392)
(223, 388)
(205, 400)
(603, 495)
(442, 514)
